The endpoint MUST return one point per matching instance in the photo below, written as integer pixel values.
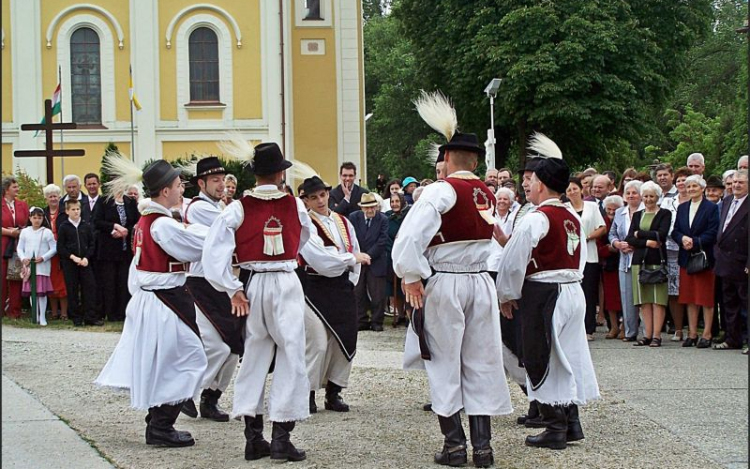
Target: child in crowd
(75, 244)
(37, 244)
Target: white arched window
(85, 77)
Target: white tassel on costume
(273, 241)
(437, 111)
(124, 171)
(543, 146)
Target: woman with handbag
(695, 231)
(15, 216)
(647, 235)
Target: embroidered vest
(151, 257)
(560, 249)
(270, 230)
(465, 221)
(328, 238)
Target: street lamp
(491, 92)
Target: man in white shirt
(665, 179)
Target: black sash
(511, 335)
(536, 306)
(180, 301)
(217, 307)
(332, 300)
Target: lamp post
(491, 92)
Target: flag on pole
(56, 104)
(131, 91)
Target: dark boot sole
(336, 409)
(574, 437)
(222, 418)
(555, 446)
(286, 458)
(169, 444)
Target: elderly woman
(395, 216)
(617, 234)
(648, 234)
(134, 192)
(594, 227)
(114, 220)
(505, 213)
(609, 258)
(15, 217)
(695, 231)
(58, 299)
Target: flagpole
(132, 128)
(62, 145)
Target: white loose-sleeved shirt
(333, 261)
(591, 220)
(37, 243)
(201, 212)
(413, 259)
(517, 254)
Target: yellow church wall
(121, 11)
(7, 154)
(175, 150)
(89, 163)
(314, 96)
(7, 73)
(246, 72)
(199, 114)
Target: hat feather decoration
(237, 147)
(432, 153)
(437, 111)
(124, 172)
(188, 169)
(543, 147)
(301, 171)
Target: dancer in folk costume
(541, 270)
(446, 239)
(331, 309)
(160, 357)
(221, 331)
(264, 232)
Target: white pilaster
(28, 97)
(144, 57)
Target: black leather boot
(160, 429)
(210, 406)
(534, 418)
(333, 398)
(188, 408)
(313, 405)
(555, 436)
(281, 448)
(480, 431)
(454, 445)
(575, 432)
(256, 446)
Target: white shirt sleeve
(326, 261)
(184, 244)
(219, 249)
(356, 268)
(517, 255)
(417, 230)
(202, 212)
(21, 247)
(49, 238)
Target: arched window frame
(107, 63)
(193, 99)
(225, 44)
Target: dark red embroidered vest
(463, 222)
(152, 257)
(553, 251)
(270, 230)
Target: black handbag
(10, 248)
(653, 276)
(697, 261)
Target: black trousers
(735, 298)
(370, 291)
(590, 285)
(80, 279)
(112, 277)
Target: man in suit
(371, 227)
(91, 181)
(346, 196)
(601, 186)
(732, 261)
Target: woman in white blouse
(594, 227)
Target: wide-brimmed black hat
(207, 167)
(530, 164)
(159, 175)
(312, 185)
(554, 173)
(465, 142)
(441, 156)
(268, 160)
(714, 181)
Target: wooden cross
(49, 152)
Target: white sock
(41, 309)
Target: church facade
(288, 71)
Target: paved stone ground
(668, 407)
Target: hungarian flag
(131, 91)
(56, 104)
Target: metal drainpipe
(283, 77)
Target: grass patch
(58, 324)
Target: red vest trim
(151, 257)
(465, 221)
(270, 230)
(327, 237)
(560, 249)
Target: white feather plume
(237, 147)
(432, 153)
(188, 169)
(299, 172)
(437, 111)
(124, 173)
(543, 146)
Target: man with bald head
(601, 186)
